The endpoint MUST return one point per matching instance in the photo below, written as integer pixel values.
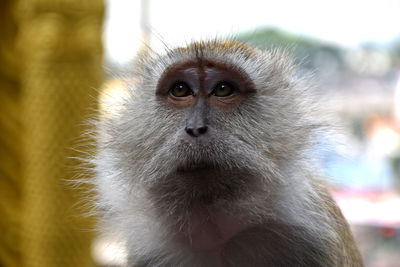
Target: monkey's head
(213, 122)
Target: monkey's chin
(208, 228)
(200, 185)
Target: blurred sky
(344, 22)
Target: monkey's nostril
(202, 130)
(195, 132)
(190, 132)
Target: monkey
(209, 162)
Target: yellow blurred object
(50, 63)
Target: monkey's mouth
(194, 167)
(200, 169)
(202, 183)
(197, 167)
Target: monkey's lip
(202, 167)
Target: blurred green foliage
(304, 49)
(326, 61)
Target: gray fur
(265, 146)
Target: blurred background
(353, 49)
(52, 57)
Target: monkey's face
(208, 123)
(203, 97)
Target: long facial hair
(249, 145)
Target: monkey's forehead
(260, 66)
(237, 54)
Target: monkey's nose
(196, 131)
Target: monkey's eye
(180, 89)
(223, 89)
